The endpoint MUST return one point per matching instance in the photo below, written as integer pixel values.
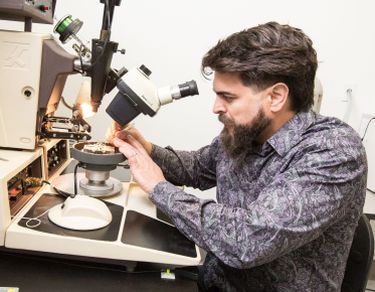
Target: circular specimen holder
(96, 160)
(97, 164)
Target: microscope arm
(102, 52)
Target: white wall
(170, 37)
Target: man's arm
(195, 169)
(295, 209)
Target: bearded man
(290, 183)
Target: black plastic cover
(126, 105)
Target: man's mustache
(224, 119)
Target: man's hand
(122, 132)
(130, 130)
(145, 171)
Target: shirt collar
(289, 134)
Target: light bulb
(86, 110)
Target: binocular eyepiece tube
(169, 93)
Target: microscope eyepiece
(188, 88)
(168, 93)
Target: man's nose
(219, 106)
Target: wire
(363, 137)
(79, 164)
(29, 221)
(179, 158)
(368, 123)
(65, 103)
(59, 192)
(63, 193)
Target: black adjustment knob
(145, 70)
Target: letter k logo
(17, 57)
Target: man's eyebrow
(223, 92)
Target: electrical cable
(363, 137)
(368, 123)
(79, 164)
(29, 223)
(63, 193)
(179, 158)
(65, 103)
(36, 220)
(33, 222)
(59, 192)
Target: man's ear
(278, 96)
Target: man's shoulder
(331, 138)
(331, 130)
(309, 131)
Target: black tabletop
(40, 273)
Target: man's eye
(228, 97)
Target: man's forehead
(229, 83)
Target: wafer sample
(99, 148)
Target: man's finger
(128, 150)
(134, 142)
(116, 126)
(121, 135)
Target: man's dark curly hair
(267, 54)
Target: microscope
(35, 69)
(45, 208)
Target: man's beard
(241, 142)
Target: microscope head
(138, 94)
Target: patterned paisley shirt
(284, 220)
